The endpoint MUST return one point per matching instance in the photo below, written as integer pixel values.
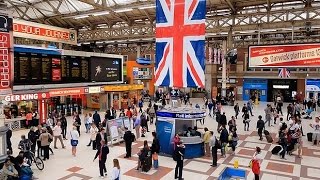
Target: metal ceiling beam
(231, 5)
(268, 5)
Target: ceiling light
(123, 10)
(81, 17)
(147, 7)
(101, 13)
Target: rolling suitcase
(147, 163)
(266, 132)
(276, 150)
(309, 136)
(269, 138)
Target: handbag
(73, 142)
(155, 156)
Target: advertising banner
(106, 69)
(292, 55)
(165, 133)
(31, 30)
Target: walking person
(45, 142)
(210, 107)
(260, 127)
(232, 123)
(33, 138)
(38, 133)
(74, 134)
(102, 153)
(268, 113)
(206, 140)
(57, 133)
(64, 124)
(77, 123)
(8, 138)
(179, 157)
(236, 110)
(289, 111)
(128, 139)
(256, 162)
(137, 126)
(115, 175)
(102, 135)
(93, 134)
(224, 140)
(283, 141)
(234, 140)
(249, 106)
(244, 110)
(96, 118)
(246, 121)
(155, 149)
(214, 149)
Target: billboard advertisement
(291, 55)
(106, 69)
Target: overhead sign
(26, 97)
(93, 90)
(66, 92)
(5, 56)
(31, 30)
(292, 55)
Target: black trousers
(9, 145)
(179, 167)
(40, 150)
(260, 132)
(128, 149)
(45, 152)
(78, 129)
(256, 176)
(214, 156)
(64, 132)
(102, 167)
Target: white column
(224, 71)
(138, 50)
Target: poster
(113, 129)
(126, 123)
(166, 133)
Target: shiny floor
(63, 166)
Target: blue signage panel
(181, 115)
(165, 132)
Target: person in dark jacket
(96, 118)
(244, 110)
(143, 122)
(128, 139)
(101, 136)
(155, 149)
(102, 153)
(223, 119)
(260, 127)
(224, 140)
(8, 136)
(179, 157)
(64, 125)
(33, 138)
(236, 110)
(77, 123)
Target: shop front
(257, 88)
(312, 88)
(121, 96)
(19, 105)
(94, 99)
(286, 88)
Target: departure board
(65, 68)
(56, 69)
(46, 68)
(16, 68)
(23, 68)
(85, 69)
(35, 70)
(75, 68)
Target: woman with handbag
(116, 170)
(74, 140)
(255, 163)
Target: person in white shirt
(74, 134)
(93, 131)
(57, 134)
(115, 174)
(214, 149)
(316, 130)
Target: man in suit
(101, 136)
(102, 153)
(179, 157)
(128, 139)
(96, 118)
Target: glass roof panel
(122, 2)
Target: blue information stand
(231, 173)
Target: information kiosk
(172, 121)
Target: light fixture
(101, 13)
(123, 10)
(81, 17)
(147, 7)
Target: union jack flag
(180, 43)
(283, 73)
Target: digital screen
(23, 68)
(142, 73)
(106, 69)
(65, 68)
(75, 68)
(85, 69)
(56, 69)
(35, 67)
(46, 68)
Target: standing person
(176, 140)
(316, 131)
(214, 150)
(140, 105)
(64, 125)
(45, 142)
(57, 133)
(268, 113)
(218, 119)
(283, 141)
(74, 134)
(137, 126)
(249, 106)
(143, 123)
(155, 149)
(25, 146)
(38, 133)
(210, 106)
(93, 134)
(232, 123)
(115, 175)
(236, 110)
(86, 122)
(179, 157)
(102, 152)
(102, 135)
(28, 119)
(260, 127)
(8, 137)
(256, 161)
(289, 111)
(96, 118)
(234, 140)
(223, 119)
(128, 139)
(224, 140)
(152, 114)
(33, 138)
(77, 123)
(206, 140)
(244, 109)
(246, 121)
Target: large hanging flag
(180, 43)
(283, 73)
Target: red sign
(292, 55)
(66, 92)
(56, 69)
(26, 97)
(42, 109)
(33, 30)
(5, 62)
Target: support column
(224, 71)
(138, 50)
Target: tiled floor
(62, 165)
